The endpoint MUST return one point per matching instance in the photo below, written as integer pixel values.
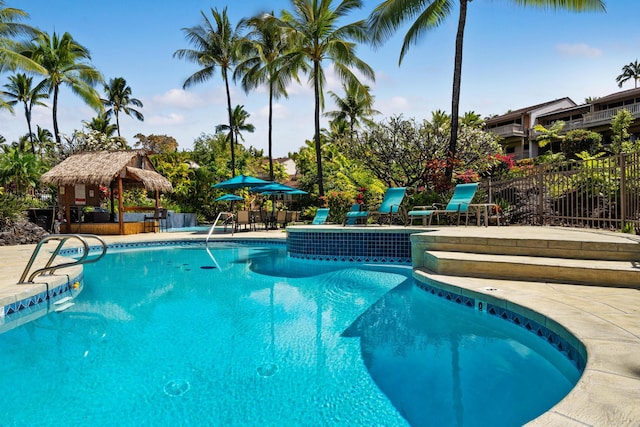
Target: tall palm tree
(629, 71)
(318, 34)
(215, 45)
(390, 15)
(240, 116)
(44, 139)
(10, 27)
(356, 105)
(19, 89)
(263, 48)
(119, 100)
(65, 62)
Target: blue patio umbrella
(241, 181)
(228, 197)
(276, 188)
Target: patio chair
(321, 216)
(244, 218)
(458, 205)
(389, 209)
(157, 221)
(281, 219)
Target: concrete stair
(579, 259)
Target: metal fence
(597, 193)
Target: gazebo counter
(104, 228)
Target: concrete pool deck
(605, 319)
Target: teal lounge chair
(321, 216)
(457, 206)
(388, 210)
(353, 220)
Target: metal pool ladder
(62, 239)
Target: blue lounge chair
(458, 205)
(388, 210)
(321, 216)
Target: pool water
(241, 335)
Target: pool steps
(528, 259)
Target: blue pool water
(241, 335)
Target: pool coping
(604, 319)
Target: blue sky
(513, 57)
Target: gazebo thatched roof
(103, 167)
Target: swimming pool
(242, 335)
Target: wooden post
(120, 207)
(67, 207)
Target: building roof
(517, 113)
(625, 94)
(103, 167)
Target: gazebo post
(157, 199)
(120, 207)
(67, 207)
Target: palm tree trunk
(270, 130)
(27, 115)
(55, 116)
(455, 98)
(316, 91)
(117, 122)
(231, 125)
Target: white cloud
(578, 49)
(170, 119)
(182, 99)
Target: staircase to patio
(537, 254)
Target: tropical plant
(390, 15)
(356, 105)
(156, 144)
(581, 140)
(239, 121)
(549, 135)
(629, 71)
(263, 48)
(119, 99)
(216, 45)
(65, 61)
(20, 90)
(44, 140)
(317, 33)
(621, 138)
(20, 169)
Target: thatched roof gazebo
(116, 170)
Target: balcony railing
(606, 115)
(512, 129)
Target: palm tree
(19, 90)
(119, 99)
(263, 47)
(240, 117)
(215, 46)
(629, 71)
(101, 124)
(65, 62)
(44, 139)
(356, 105)
(390, 15)
(10, 28)
(317, 34)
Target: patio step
(580, 249)
(534, 268)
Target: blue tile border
(559, 342)
(366, 246)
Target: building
(516, 127)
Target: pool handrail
(62, 238)
(228, 216)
